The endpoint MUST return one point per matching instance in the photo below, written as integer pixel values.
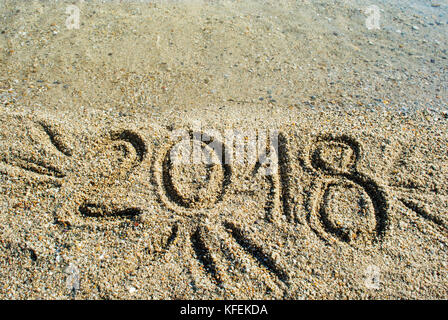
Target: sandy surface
(354, 204)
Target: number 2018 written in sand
(341, 203)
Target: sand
(352, 204)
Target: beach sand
(351, 204)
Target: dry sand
(93, 208)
